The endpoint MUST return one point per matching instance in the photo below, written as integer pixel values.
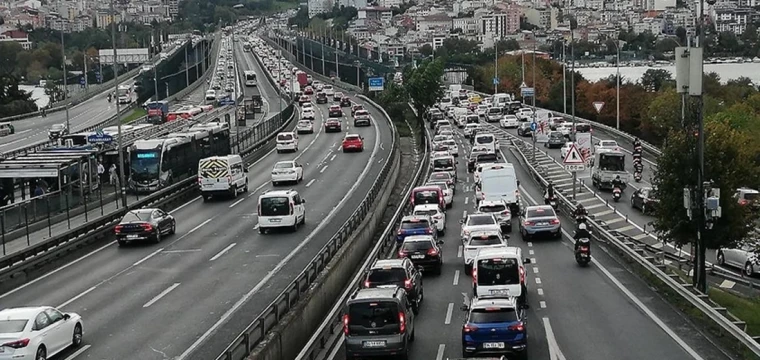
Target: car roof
(415, 217)
(478, 215)
(388, 263)
(350, 135)
(22, 312)
(491, 202)
(485, 233)
(142, 211)
(482, 303)
(419, 238)
(505, 251)
(373, 294)
(427, 207)
(289, 162)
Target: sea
(38, 94)
(634, 73)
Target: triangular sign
(573, 157)
(523, 85)
(598, 106)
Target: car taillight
(401, 253)
(469, 328)
(229, 179)
(528, 223)
(200, 180)
(584, 248)
(428, 231)
(401, 322)
(506, 213)
(345, 324)
(408, 284)
(399, 232)
(432, 252)
(522, 275)
(517, 327)
(117, 229)
(517, 193)
(743, 202)
(475, 275)
(366, 283)
(291, 208)
(555, 222)
(147, 227)
(18, 344)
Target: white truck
(607, 165)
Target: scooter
(616, 193)
(551, 201)
(637, 176)
(583, 251)
(580, 219)
(637, 149)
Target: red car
(353, 142)
(308, 90)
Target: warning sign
(574, 161)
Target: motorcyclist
(580, 211)
(638, 167)
(109, 97)
(549, 193)
(617, 183)
(636, 143)
(581, 233)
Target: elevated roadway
(187, 297)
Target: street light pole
(496, 68)
(534, 93)
(572, 90)
(65, 80)
(617, 77)
(118, 109)
(564, 78)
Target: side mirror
(439, 242)
(464, 308)
(461, 221)
(527, 261)
(66, 316)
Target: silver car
(538, 220)
(499, 210)
(744, 256)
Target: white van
(222, 175)
(210, 94)
(486, 140)
(287, 141)
(499, 184)
(500, 271)
(281, 208)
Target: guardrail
(716, 314)
(290, 296)
(328, 335)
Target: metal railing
(601, 232)
(290, 296)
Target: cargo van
(500, 271)
(487, 140)
(222, 175)
(499, 183)
(445, 163)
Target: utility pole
(187, 66)
(496, 68)
(65, 81)
(564, 78)
(322, 45)
(86, 85)
(617, 77)
(572, 90)
(118, 109)
(535, 91)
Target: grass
(134, 115)
(746, 309)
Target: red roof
(16, 34)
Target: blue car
(494, 327)
(416, 225)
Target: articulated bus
(250, 78)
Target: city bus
(250, 78)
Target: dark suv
(398, 272)
(321, 98)
(378, 322)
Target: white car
(439, 139)
(478, 222)
(287, 141)
(477, 240)
(211, 94)
(435, 212)
(435, 154)
(287, 171)
(328, 90)
(448, 191)
(606, 145)
(482, 108)
(307, 114)
(509, 121)
(307, 105)
(305, 127)
(38, 332)
(449, 134)
(452, 145)
(479, 150)
(565, 149)
(565, 128)
(524, 114)
(471, 129)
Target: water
(38, 94)
(634, 74)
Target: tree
(8, 51)
(54, 92)
(426, 50)
(681, 34)
(728, 163)
(654, 79)
(423, 85)
(663, 114)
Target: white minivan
(287, 141)
(281, 208)
(486, 140)
(210, 94)
(500, 271)
(222, 175)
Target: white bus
(250, 78)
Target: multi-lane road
(597, 313)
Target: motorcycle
(551, 201)
(637, 149)
(637, 176)
(109, 98)
(616, 193)
(580, 219)
(583, 251)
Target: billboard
(124, 56)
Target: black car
(332, 125)
(424, 251)
(399, 272)
(335, 111)
(144, 225)
(644, 199)
(57, 130)
(345, 102)
(321, 98)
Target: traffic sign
(100, 138)
(81, 80)
(376, 83)
(226, 101)
(528, 91)
(533, 126)
(575, 168)
(598, 106)
(496, 81)
(523, 85)
(573, 160)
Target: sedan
(444, 176)
(556, 140)
(541, 219)
(38, 332)
(345, 102)
(356, 108)
(509, 122)
(644, 200)
(524, 129)
(606, 145)
(362, 118)
(424, 251)
(744, 256)
(303, 99)
(307, 114)
(335, 111)
(308, 90)
(333, 125)
(144, 225)
(435, 212)
(287, 171)
(338, 96)
(353, 142)
(57, 130)
(305, 127)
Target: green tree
(728, 163)
(681, 34)
(423, 85)
(654, 79)
(663, 114)
(426, 50)
(54, 92)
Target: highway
(597, 313)
(187, 297)
(269, 96)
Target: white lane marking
(236, 202)
(223, 319)
(449, 311)
(542, 304)
(465, 200)
(535, 270)
(439, 354)
(162, 294)
(540, 291)
(147, 257)
(219, 254)
(79, 352)
(456, 278)
(191, 231)
(57, 270)
(531, 252)
(554, 352)
(183, 205)
(310, 182)
(75, 298)
(333, 157)
(464, 214)
(530, 244)
(323, 169)
(459, 251)
(538, 281)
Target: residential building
(434, 22)
(103, 19)
(317, 7)
(732, 18)
(468, 25)
(378, 14)
(17, 36)
(544, 18)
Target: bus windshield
(145, 164)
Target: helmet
(582, 226)
(617, 177)
(580, 207)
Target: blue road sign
(533, 126)
(528, 91)
(81, 80)
(100, 138)
(376, 83)
(496, 81)
(225, 101)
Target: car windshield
(361, 113)
(417, 224)
(284, 165)
(373, 314)
(352, 138)
(136, 216)
(494, 111)
(442, 163)
(484, 139)
(534, 213)
(498, 271)
(56, 127)
(481, 220)
(430, 212)
(12, 326)
(493, 315)
(275, 206)
(426, 197)
(416, 245)
(285, 137)
(386, 276)
(492, 208)
(485, 240)
(608, 143)
(304, 123)
(440, 176)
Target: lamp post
(118, 109)
(533, 84)
(65, 80)
(617, 87)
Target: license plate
(275, 220)
(543, 224)
(498, 345)
(208, 185)
(374, 344)
(133, 236)
(503, 292)
(418, 256)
